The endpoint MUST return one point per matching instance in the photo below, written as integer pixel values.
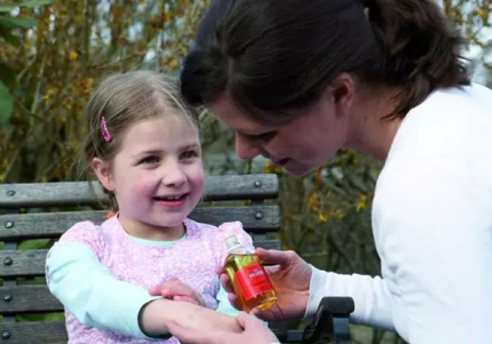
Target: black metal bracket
(330, 322)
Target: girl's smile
(175, 201)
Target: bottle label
(253, 280)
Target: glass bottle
(248, 277)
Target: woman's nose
(246, 148)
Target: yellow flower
(337, 214)
(90, 82)
(73, 55)
(313, 203)
(323, 218)
(271, 168)
(361, 203)
(173, 64)
(483, 13)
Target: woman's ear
(102, 169)
(342, 91)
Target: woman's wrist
(314, 295)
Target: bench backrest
(45, 211)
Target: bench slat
(237, 187)
(22, 263)
(37, 298)
(54, 332)
(255, 219)
(46, 332)
(28, 298)
(31, 263)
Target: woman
(297, 80)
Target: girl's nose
(173, 175)
(246, 148)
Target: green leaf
(36, 3)
(30, 4)
(6, 104)
(7, 35)
(7, 75)
(25, 23)
(35, 244)
(7, 8)
(357, 181)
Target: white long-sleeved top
(432, 225)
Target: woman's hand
(176, 290)
(254, 331)
(290, 276)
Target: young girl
(144, 148)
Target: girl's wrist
(149, 319)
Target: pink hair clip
(104, 129)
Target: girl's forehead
(159, 130)
(162, 123)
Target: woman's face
(299, 146)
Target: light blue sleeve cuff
(225, 307)
(91, 293)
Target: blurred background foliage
(53, 52)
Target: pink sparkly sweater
(192, 259)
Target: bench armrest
(330, 322)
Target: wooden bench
(46, 210)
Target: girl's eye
(189, 154)
(150, 160)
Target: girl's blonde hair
(119, 101)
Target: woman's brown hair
(276, 55)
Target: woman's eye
(189, 154)
(150, 160)
(265, 136)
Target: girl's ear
(102, 169)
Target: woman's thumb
(274, 257)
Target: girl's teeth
(173, 198)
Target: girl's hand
(290, 276)
(176, 290)
(253, 331)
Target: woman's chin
(298, 169)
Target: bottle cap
(232, 243)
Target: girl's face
(157, 177)
(299, 146)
